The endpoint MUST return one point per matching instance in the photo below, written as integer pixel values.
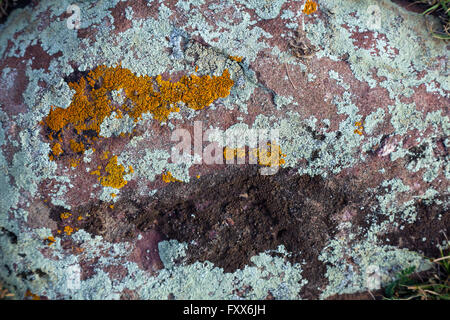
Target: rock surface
(355, 98)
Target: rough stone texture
(344, 208)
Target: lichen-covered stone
(87, 117)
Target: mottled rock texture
(92, 205)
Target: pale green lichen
(204, 281)
(412, 41)
(373, 120)
(115, 125)
(281, 101)
(375, 266)
(405, 117)
(118, 96)
(334, 75)
(265, 9)
(373, 260)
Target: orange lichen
(111, 206)
(74, 162)
(115, 177)
(68, 230)
(167, 177)
(270, 156)
(65, 215)
(80, 218)
(360, 128)
(119, 114)
(50, 240)
(76, 146)
(310, 7)
(33, 296)
(236, 58)
(91, 103)
(231, 153)
(56, 149)
(240, 152)
(113, 195)
(105, 155)
(97, 172)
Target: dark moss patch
(8, 6)
(416, 153)
(230, 216)
(76, 75)
(11, 235)
(430, 229)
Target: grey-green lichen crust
(142, 49)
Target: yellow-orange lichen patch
(236, 58)
(76, 146)
(310, 7)
(50, 240)
(115, 177)
(68, 230)
(91, 103)
(56, 149)
(33, 296)
(167, 177)
(360, 127)
(231, 153)
(270, 156)
(240, 152)
(65, 215)
(74, 162)
(119, 114)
